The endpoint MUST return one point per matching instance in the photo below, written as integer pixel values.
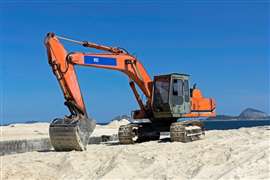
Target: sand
(228, 154)
(24, 131)
(40, 130)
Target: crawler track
(127, 134)
(136, 133)
(186, 131)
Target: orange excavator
(168, 98)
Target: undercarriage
(184, 131)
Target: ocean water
(229, 124)
(233, 124)
(210, 124)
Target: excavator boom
(63, 67)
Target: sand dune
(40, 130)
(230, 154)
(24, 131)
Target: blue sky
(223, 45)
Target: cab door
(179, 96)
(177, 92)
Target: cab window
(177, 87)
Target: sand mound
(117, 123)
(24, 131)
(230, 154)
(41, 130)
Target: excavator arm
(64, 72)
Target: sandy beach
(40, 130)
(227, 154)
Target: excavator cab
(171, 98)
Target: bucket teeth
(68, 135)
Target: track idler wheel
(71, 133)
(186, 131)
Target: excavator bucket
(68, 134)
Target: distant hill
(248, 114)
(251, 113)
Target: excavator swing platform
(168, 98)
